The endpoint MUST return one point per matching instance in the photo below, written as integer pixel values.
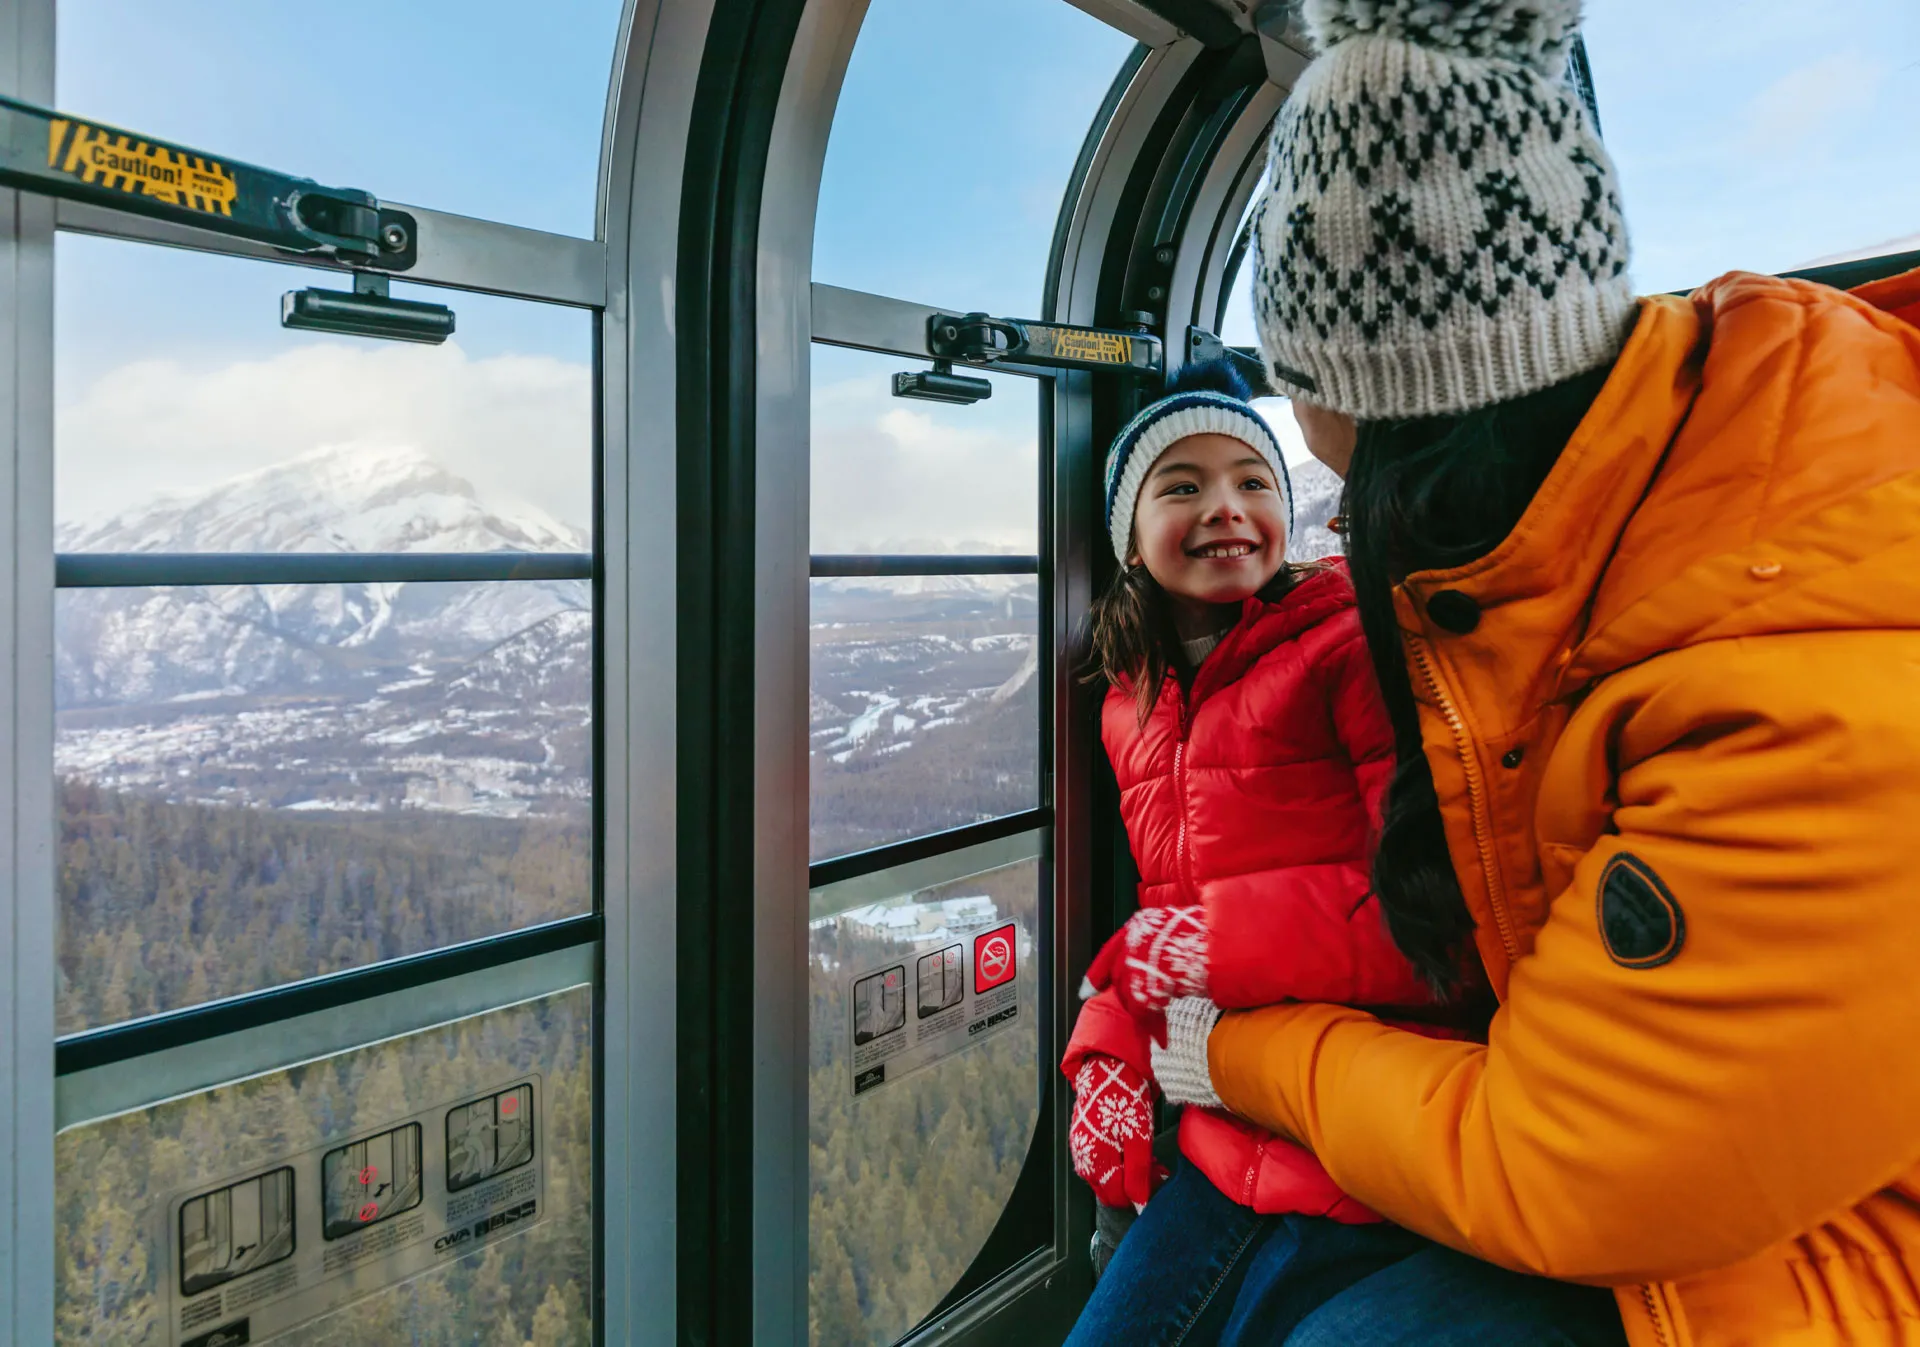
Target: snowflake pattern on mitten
(1112, 1114)
(1166, 956)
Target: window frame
(618, 945)
(189, 1024)
(883, 325)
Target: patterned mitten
(1111, 1135)
(1160, 954)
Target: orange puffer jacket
(1674, 722)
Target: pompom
(1209, 376)
(1536, 33)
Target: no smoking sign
(993, 958)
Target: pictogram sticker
(367, 1181)
(938, 975)
(235, 1230)
(993, 958)
(879, 1004)
(489, 1136)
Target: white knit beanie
(1441, 227)
(1207, 398)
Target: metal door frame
(26, 713)
(636, 251)
(1136, 131)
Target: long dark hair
(1133, 641)
(1421, 495)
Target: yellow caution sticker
(125, 163)
(1106, 348)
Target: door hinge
(53, 154)
(980, 339)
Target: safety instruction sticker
(958, 994)
(138, 167)
(262, 1252)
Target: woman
(1642, 583)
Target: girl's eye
(1181, 489)
(1253, 484)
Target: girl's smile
(1230, 550)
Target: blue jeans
(1199, 1270)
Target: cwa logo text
(485, 1226)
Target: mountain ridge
(156, 645)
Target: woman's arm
(1631, 1123)
(1316, 932)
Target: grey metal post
(26, 714)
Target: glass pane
(966, 120)
(316, 1206)
(923, 1093)
(260, 784)
(925, 706)
(1758, 136)
(188, 420)
(458, 105)
(902, 475)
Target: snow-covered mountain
(148, 645)
(1316, 499)
(469, 698)
(352, 498)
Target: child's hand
(1111, 1135)
(1160, 954)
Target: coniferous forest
(164, 905)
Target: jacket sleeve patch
(1640, 921)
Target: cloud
(888, 474)
(902, 476)
(1813, 100)
(519, 427)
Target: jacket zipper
(1496, 895)
(1476, 796)
(1180, 796)
(1182, 861)
(1259, 1154)
(1655, 1313)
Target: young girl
(1251, 749)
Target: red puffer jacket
(1257, 793)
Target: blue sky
(1755, 133)
(949, 157)
(1759, 134)
(957, 129)
(461, 105)
(473, 106)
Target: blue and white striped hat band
(1204, 399)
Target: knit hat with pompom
(1441, 228)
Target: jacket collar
(1263, 627)
(1534, 591)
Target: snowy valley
(476, 698)
(468, 698)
